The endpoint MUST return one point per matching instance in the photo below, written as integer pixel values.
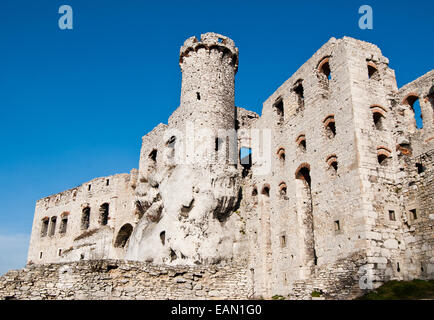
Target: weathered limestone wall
(329, 197)
(418, 231)
(185, 201)
(111, 279)
(296, 229)
(78, 242)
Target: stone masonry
(329, 190)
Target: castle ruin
(329, 190)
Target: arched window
(53, 226)
(373, 71)
(163, 237)
(266, 190)
(85, 218)
(282, 189)
(332, 162)
(330, 127)
(303, 173)
(301, 142)
(299, 92)
(104, 214)
(255, 195)
(281, 154)
(324, 73)
(44, 227)
(153, 155)
(278, 110)
(412, 100)
(383, 154)
(63, 222)
(378, 115)
(123, 235)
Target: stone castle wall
(339, 187)
(59, 233)
(118, 280)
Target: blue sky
(74, 104)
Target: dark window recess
(282, 241)
(378, 120)
(330, 126)
(198, 95)
(392, 216)
(304, 174)
(254, 192)
(104, 214)
(325, 70)
(266, 191)
(299, 91)
(163, 237)
(123, 235)
(301, 142)
(44, 229)
(153, 155)
(281, 154)
(420, 168)
(282, 188)
(63, 225)
(278, 108)
(373, 72)
(413, 214)
(53, 226)
(334, 165)
(85, 218)
(218, 143)
(337, 225)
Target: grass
(402, 290)
(315, 294)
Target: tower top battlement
(210, 41)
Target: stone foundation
(120, 280)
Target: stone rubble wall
(122, 280)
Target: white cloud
(13, 251)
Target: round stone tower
(208, 81)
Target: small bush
(402, 290)
(315, 294)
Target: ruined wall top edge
(71, 190)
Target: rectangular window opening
(392, 216)
(413, 214)
(282, 241)
(337, 226)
